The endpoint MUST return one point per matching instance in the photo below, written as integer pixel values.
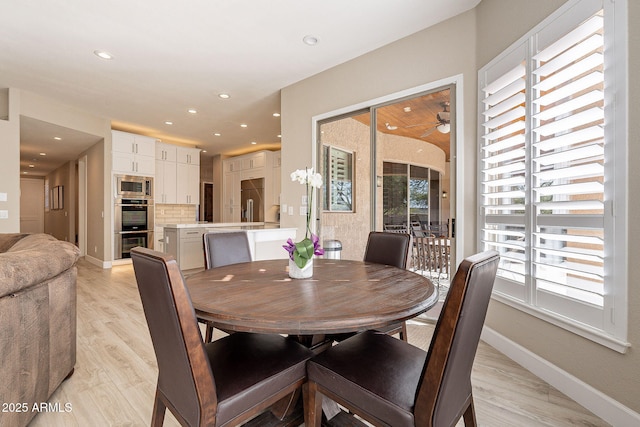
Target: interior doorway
(207, 201)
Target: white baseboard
(597, 402)
(97, 262)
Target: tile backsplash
(175, 214)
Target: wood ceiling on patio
(412, 118)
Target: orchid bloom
(302, 251)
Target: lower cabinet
(186, 246)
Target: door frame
(457, 148)
(82, 205)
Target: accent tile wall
(175, 214)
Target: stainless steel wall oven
(133, 225)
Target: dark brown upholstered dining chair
(223, 248)
(223, 383)
(391, 383)
(390, 249)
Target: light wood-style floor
(115, 374)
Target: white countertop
(234, 225)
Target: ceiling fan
(443, 124)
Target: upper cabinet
(189, 156)
(253, 165)
(166, 174)
(177, 174)
(166, 152)
(133, 154)
(176, 169)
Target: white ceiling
(171, 56)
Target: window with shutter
(545, 159)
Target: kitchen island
(184, 241)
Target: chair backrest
(388, 248)
(226, 248)
(184, 372)
(445, 388)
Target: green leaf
(300, 262)
(303, 252)
(305, 248)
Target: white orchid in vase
(301, 252)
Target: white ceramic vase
(296, 272)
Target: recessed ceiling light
(253, 143)
(168, 123)
(204, 151)
(243, 125)
(25, 172)
(279, 136)
(224, 96)
(102, 54)
(216, 134)
(32, 166)
(43, 154)
(192, 110)
(57, 138)
(276, 114)
(407, 109)
(310, 40)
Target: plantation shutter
(568, 171)
(503, 164)
(543, 161)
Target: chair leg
(470, 415)
(208, 335)
(312, 404)
(403, 332)
(159, 409)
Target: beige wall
(10, 162)
(492, 26)
(60, 223)
(23, 103)
(98, 220)
(400, 66)
(99, 237)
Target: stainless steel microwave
(128, 186)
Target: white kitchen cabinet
(184, 242)
(158, 235)
(166, 183)
(232, 165)
(254, 161)
(166, 173)
(231, 197)
(177, 174)
(253, 166)
(132, 154)
(188, 183)
(166, 152)
(189, 156)
(186, 246)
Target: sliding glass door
(386, 168)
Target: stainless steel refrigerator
(252, 199)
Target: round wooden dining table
(342, 296)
